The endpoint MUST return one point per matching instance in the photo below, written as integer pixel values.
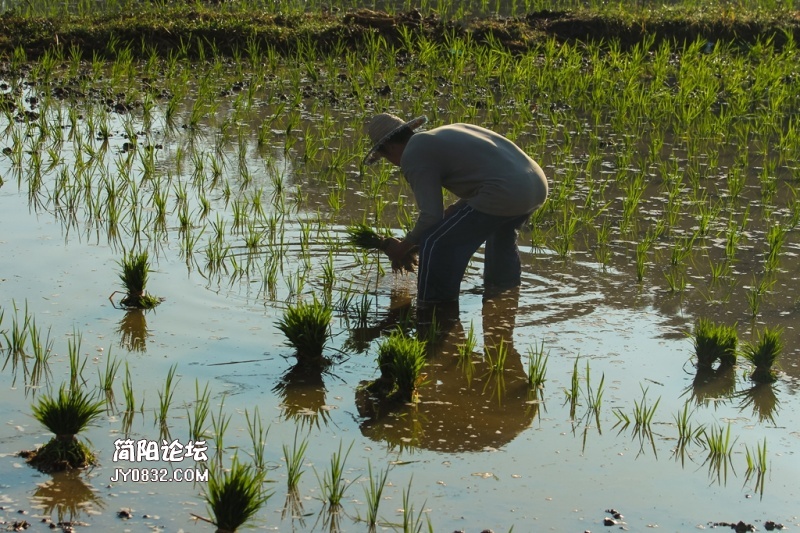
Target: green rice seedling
(135, 270)
(537, 366)
(717, 441)
(412, 522)
(642, 247)
(373, 494)
(164, 403)
(566, 229)
(757, 465)
(234, 495)
(763, 354)
(594, 398)
(467, 348)
(497, 363)
(42, 350)
(643, 413)
(307, 328)
(258, 438)
(686, 430)
(17, 338)
(199, 415)
(219, 425)
(76, 364)
(333, 484)
(756, 292)
(574, 390)
(401, 360)
(676, 282)
(294, 458)
(107, 379)
(66, 415)
(714, 342)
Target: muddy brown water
(478, 451)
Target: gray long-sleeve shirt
(484, 169)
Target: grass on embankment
(230, 28)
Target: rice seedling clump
(763, 354)
(714, 342)
(401, 360)
(66, 415)
(307, 328)
(235, 495)
(365, 237)
(135, 270)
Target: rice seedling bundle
(366, 238)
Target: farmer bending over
(498, 186)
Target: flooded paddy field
(673, 199)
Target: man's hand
(396, 250)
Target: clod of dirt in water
(616, 514)
(609, 522)
(125, 514)
(739, 527)
(769, 525)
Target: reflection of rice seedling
(366, 238)
(762, 398)
(135, 270)
(307, 328)
(66, 415)
(763, 354)
(714, 342)
(233, 496)
(401, 360)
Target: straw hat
(382, 127)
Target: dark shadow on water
(470, 403)
(133, 331)
(66, 497)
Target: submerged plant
(714, 342)
(135, 269)
(235, 495)
(763, 354)
(66, 415)
(307, 328)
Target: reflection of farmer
(498, 187)
(465, 406)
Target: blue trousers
(445, 251)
